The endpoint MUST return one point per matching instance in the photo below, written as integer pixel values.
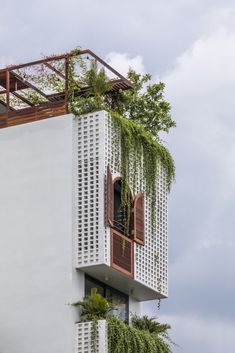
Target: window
(116, 214)
(123, 236)
(120, 213)
(119, 299)
(91, 283)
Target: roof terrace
(40, 89)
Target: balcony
(113, 335)
(85, 341)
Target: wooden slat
(122, 252)
(3, 122)
(22, 98)
(138, 219)
(29, 85)
(12, 82)
(36, 113)
(109, 197)
(51, 67)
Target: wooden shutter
(122, 252)
(109, 197)
(138, 219)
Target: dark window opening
(119, 299)
(118, 209)
(90, 283)
(120, 213)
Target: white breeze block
(97, 145)
(84, 337)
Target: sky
(189, 45)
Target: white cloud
(123, 62)
(210, 243)
(201, 90)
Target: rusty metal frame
(9, 73)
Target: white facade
(52, 231)
(35, 237)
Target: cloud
(159, 30)
(201, 90)
(201, 230)
(199, 334)
(124, 62)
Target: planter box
(84, 337)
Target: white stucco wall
(38, 279)
(36, 238)
(134, 307)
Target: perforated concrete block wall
(85, 338)
(97, 146)
(89, 176)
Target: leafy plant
(94, 98)
(145, 335)
(145, 105)
(138, 114)
(94, 307)
(125, 339)
(149, 324)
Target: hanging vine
(140, 151)
(137, 118)
(127, 339)
(144, 335)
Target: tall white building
(61, 229)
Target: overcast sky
(190, 45)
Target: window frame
(105, 287)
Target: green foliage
(145, 105)
(126, 339)
(149, 324)
(139, 150)
(139, 114)
(138, 117)
(94, 98)
(145, 335)
(94, 307)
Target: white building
(60, 232)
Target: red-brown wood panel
(122, 251)
(138, 219)
(109, 197)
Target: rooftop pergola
(20, 84)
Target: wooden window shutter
(122, 253)
(138, 219)
(109, 197)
